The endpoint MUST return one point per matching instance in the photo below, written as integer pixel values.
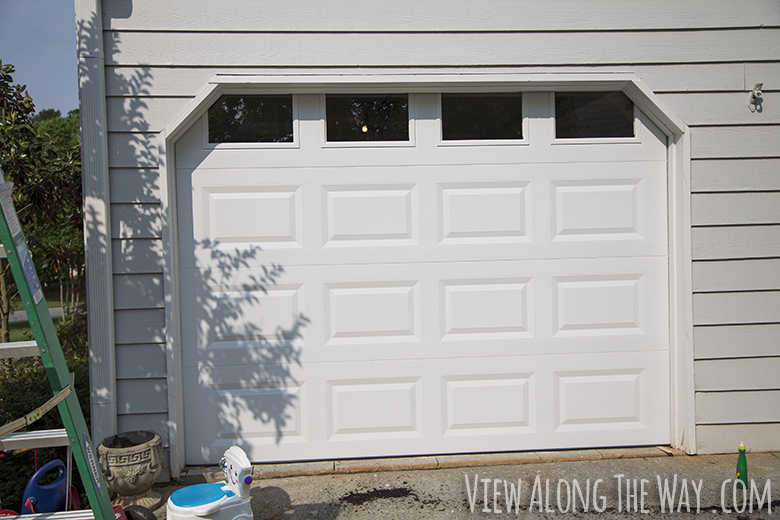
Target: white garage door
(421, 295)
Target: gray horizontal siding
(726, 438)
(137, 255)
(139, 326)
(700, 57)
(436, 48)
(139, 291)
(129, 185)
(136, 221)
(729, 243)
(717, 176)
(140, 361)
(737, 407)
(737, 275)
(450, 15)
(730, 341)
(142, 396)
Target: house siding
(699, 57)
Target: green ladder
(47, 346)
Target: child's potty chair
(222, 501)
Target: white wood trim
(176, 82)
(172, 317)
(97, 218)
(679, 155)
(680, 291)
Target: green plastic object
(53, 360)
(742, 473)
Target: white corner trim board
(681, 407)
(97, 217)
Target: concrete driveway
(610, 483)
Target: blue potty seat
(200, 495)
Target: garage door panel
(599, 305)
(435, 406)
(378, 408)
(263, 407)
(265, 216)
(370, 215)
(484, 309)
(372, 312)
(428, 310)
(488, 404)
(430, 213)
(484, 213)
(597, 210)
(362, 301)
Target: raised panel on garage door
(358, 302)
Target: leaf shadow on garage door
(249, 338)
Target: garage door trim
(678, 164)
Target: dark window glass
(367, 117)
(481, 116)
(593, 114)
(251, 119)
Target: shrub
(23, 387)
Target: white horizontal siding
(449, 15)
(435, 49)
(735, 175)
(137, 255)
(738, 374)
(737, 275)
(731, 341)
(737, 407)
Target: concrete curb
(298, 469)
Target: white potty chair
(222, 501)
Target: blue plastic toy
(46, 498)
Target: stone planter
(131, 462)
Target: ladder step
(36, 439)
(84, 514)
(19, 349)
